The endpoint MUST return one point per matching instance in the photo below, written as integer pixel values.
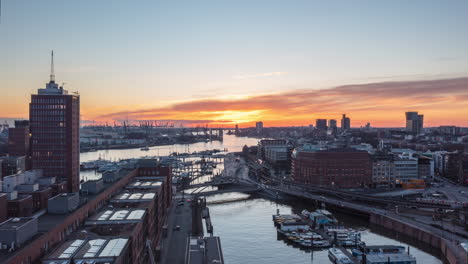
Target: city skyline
(225, 64)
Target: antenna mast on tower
(52, 74)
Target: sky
(237, 62)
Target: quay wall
(453, 253)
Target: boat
(392, 258)
(145, 148)
(383, 254)
(338, 257)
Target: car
(177, 227)
(180, 203)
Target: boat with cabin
(338, 257)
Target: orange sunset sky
(236, 62)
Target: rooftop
(116, 216)
(383, 258)
(145, 184)
(14, 223)
(204, 250)
(94, 250)
(134, 197)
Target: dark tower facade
(55, 133)
(18, 138)
(345, 123)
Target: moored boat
(338, 257)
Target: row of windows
(52, 121)
(48, 106)
(48, 112)
(48, 100)
(51, 128)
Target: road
(177, 239)
(452, 191)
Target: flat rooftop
(96, 250)
(116, 216)
(383, 258)
(204, 250)
(134, 197)
(144, 185)
(15, 223)
(46, 222)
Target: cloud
(259, 75)
(381, 103)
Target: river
(246, 228)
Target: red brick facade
(3, 205)
(18, 141)
(55, 143)
(150, 228)
(341, 168)
(21, 207)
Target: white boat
(338, 257)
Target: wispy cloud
(382, 103)
(259, 75)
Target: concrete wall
(454, 254)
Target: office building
(383, 169)
(345, 123)
(55, 126)
(340, 168)
(414, 122)
(18, 138)
(321, 124)
(332, 126)
(406, 168)
(12, 165)
(259, 127)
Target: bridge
(355, 196)
(242, 190)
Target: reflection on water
(230, 142)
(249, 236)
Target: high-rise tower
(345, 123)
(414, 122)
(55, 132)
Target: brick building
(341, 168)
(55, 127)
(18, 138)
(56, 232)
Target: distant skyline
(227, 62)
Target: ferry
(338, 257)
